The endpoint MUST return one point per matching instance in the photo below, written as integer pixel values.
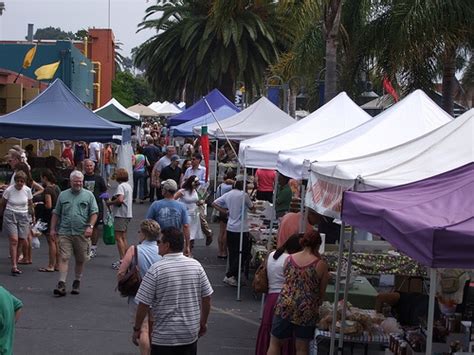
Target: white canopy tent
(167, 109)
(410, 118)
(444, 149)
(335, 117)
(259, 118)
(155, 105)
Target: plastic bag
(35, 243)
(108, 234)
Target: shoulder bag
(260, 280)
(129, 284)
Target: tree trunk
(227, 87)
(332, 20)
(449, 82)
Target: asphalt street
(98, 322)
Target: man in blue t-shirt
(170, 213)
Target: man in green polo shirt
(73, 222)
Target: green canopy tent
(113, 111)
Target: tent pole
(303, 210)
(215, 170)
(431, 307)
(275, 187)
(242, 220)
(346, 290)
(336, 289)
(220, 127)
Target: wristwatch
(91, 226)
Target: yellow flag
(47, 71)
(29, 57)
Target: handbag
(260, 280)
(108, 232)
(129, 284)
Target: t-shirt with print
(139, 163)
(17, 199)
(125, 209)
(232, 200)
(168, 213)
(96, 185)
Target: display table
(362, 294)
(377, 264)
(364, 339)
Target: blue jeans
(139, 181)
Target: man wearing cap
(158, 167)
(171, 213)
(172, 171)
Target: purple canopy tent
(431, 220)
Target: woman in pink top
(264, 180)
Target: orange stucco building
(101, 51)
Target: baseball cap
(174, 157)
(169, 185)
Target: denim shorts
(284, 329)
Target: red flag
(205, 148)
(387, 85)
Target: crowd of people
(177, 188)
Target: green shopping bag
(108, 233)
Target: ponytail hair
(291, 246)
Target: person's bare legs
(122, 245)
(13, 251)
(302, 346)
(222, 239)
(53, 253)
(275, 346)
(78, 269)
(27, 259)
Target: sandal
(16, 272)
(24, 262)
(45, 269)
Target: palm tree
(411, 39)
(202, 44)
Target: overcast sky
(73, 15)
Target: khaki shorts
(78, 245)
(16, 224)
(121, 224)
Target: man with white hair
(164, 161)
(72, 224)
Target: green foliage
(202, 44)
(55, 33)
(129, 89)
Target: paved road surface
(97, 321)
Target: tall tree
(202, 44)
(412, 38)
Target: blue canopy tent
(186, 129)
(57, 114)
(200, 108)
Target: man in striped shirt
(179, 293)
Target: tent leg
(215, 170)
(346, 291)
(303, 210)
(242, 220)
(431, 307)
(336, 290)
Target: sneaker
(116, 265)
(60, 290)
(231, 281)
(93, 253)
(76, 287)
